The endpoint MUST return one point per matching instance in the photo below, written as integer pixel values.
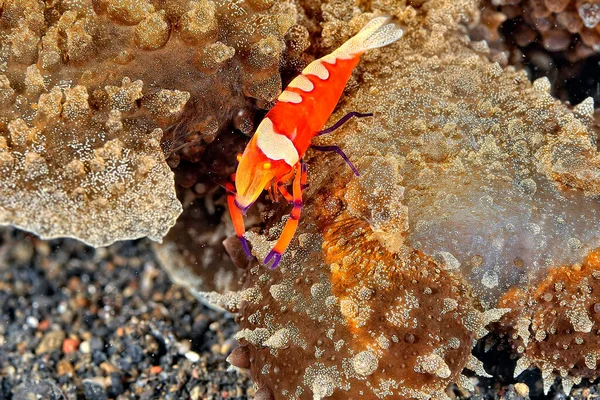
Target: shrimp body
(273, 155)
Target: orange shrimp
(273, 155)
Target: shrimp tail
(379, 32)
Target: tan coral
(81, 76)
(558, 323)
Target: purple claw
(275, 256)
(245, 246)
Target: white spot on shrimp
(317, 69)
(290, 97)
(275, 145)
(303, 83)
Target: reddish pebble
(155, 370)
(70, 345)
(44, 325)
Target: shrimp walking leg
(342, 121)
(292, 223)
(303, 178)
(237, 218)
(285, 192)
(340, 152)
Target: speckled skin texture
(473, 181)
(556, 324)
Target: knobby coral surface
(90, 90)
(555, 324)
(473, 181)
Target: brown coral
(555, 325)
(89, 89)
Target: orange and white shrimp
(273, 155)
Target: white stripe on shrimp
(275, 145)
(290, 97)
(317, 69)
(303, 83)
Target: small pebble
(64, 367)
(184, 347)
(196, 393)
(93, 389)
(192, 356)
(84, 347)
(50, 342)
(44, 325)
(70, 345)
(522, 389)
(32, 322)
(155, 370)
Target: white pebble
(84, 347)
(192, 356)
(32, 322)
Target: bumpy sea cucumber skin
(92, 93)
(473, 180)
(352, 311)
(555, 324)
(344, 317)
(496, 173)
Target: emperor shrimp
(273, 157)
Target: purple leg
(342, 121)
(275, 256)
(245, 246)
(340, 152)
(303, 185)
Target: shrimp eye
(239, 157)
(267, 165)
